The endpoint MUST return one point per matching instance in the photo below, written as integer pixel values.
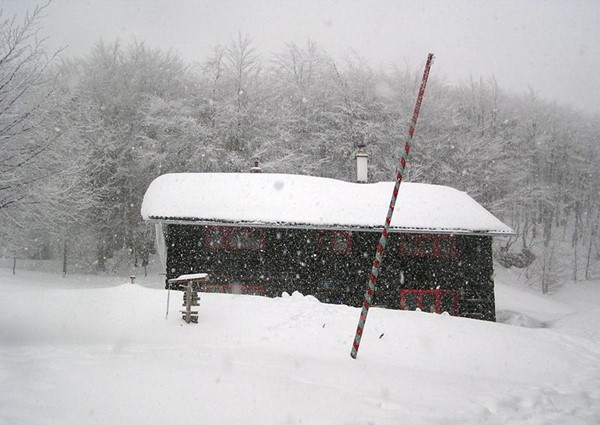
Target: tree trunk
(575, 238)
(547, 216)
(64, 264)
(593, 234)
(101, 257)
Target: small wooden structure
(190, 284)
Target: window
(241, 238)
(214, 238)
(335, 241)
(427, 246)
(441, 246)
(235, 289)
(430, 300)
(224, 284)
(446, 246)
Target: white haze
(549, 47)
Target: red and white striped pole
(384, 234)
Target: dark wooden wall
(292, 260)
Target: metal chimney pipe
(256, 168)
(361, 156)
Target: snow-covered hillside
(99, 350)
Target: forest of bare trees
(81, 138)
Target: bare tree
(26, 135)
(24, 90)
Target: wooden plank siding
(309, 261)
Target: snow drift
(97, 350)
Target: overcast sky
(551, 46)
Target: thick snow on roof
(313, 202)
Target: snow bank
(95, 351)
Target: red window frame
(209, 243)
(228, 235)
(331, 240)
(231, 288)
(223, 284)
(426, 245)
(437, 293)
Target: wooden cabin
(265, 234)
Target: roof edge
(306, 226)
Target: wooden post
(168, 300)
(64, 265)
(190, 285)
(187, 302)
(190, 299)
(15, 265)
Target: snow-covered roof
(297, 201)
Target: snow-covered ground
(99, 350)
